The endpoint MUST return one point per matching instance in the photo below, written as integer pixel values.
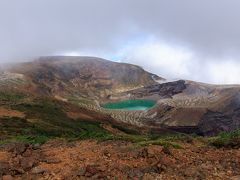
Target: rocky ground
(90, 159)
(56, 100)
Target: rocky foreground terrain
(52, 124)
(89, 159)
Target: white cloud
(224, 72)
(175, 62)
(158, 57)
(97, 28)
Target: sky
(187, 39)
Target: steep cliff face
(225, 117)
(198, 108)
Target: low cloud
(174, 62)
(198, 40)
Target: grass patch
(26, 139)
(93, 130)
(40, 139)
(45, 120)
(173, 136)
(131, 138)
(161, 142)
(11, 97)
(226, 139)
(167, 140)
(126, 130)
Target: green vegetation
(144, 140)
(126, 130)
(230, 135)
(226, 139)
(134, 104)
(11, 96)
(161, 142)
(20, 130)
(26, 139)
(45, 119)
(166, 140)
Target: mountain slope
(86, 82)
(51, 120)
(82, 76)
(200, 108)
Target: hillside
(73, 77)
(52, 118)
(87, 82)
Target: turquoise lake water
(136, 104)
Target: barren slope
(82, 76)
